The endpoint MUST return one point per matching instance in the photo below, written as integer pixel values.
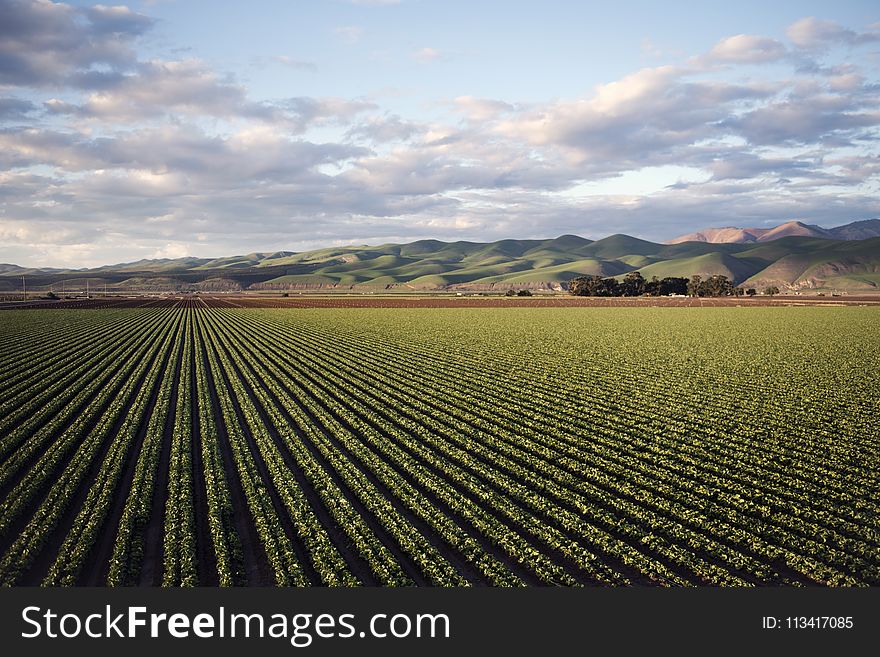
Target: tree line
(636, 285)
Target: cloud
(45, 43)
(58, 106)
(305, 111)
(299, 217)
(481, 109)
(846, 82)
(22, 147)
(807, 118)
(382, 129)
(747, 166)
(788, 123)
(812, 33)
(177, 157)
(663, 215)
(747, 49)
(14, 109)
(855, 169)
(158, 89)
(171, 250)
(251, 155)
(118, 20)
(646, 118)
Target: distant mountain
(796, 260)
(857, 230)
(724, 235)
(795, 228)
(803, 263)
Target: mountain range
(794, 262)
(857, 230)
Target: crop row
(447, 447)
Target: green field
(508, 447)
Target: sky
(171, 128)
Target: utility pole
(87, 288)
(23, 288)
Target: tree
(719, 286)
(608, 287)
(652, 287)
(584, 286)
(510, 293)
(771, 290)
(524, 293)
(673, 285)
(593, 286)
(633, 285)
(751, 291)
(714, 286)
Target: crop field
(530, 446)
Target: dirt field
(437, 301)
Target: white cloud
(481, 109)
(172, 250)
(380, 129)
(176, 157)
(812, 33)
(160, 87)
(747, 49)
(158, 90)
(46, 43)
(118, 20)
(647, 118)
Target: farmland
(443, 300)
(444, 446)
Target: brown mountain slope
(857, 230)
(794, 228)
(725, 235)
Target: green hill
(791, 263)
(709, 264)
(616, 246)
(823, 264)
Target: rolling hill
(791, 262)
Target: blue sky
(167, 128)
(516, 50)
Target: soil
(435, 301)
